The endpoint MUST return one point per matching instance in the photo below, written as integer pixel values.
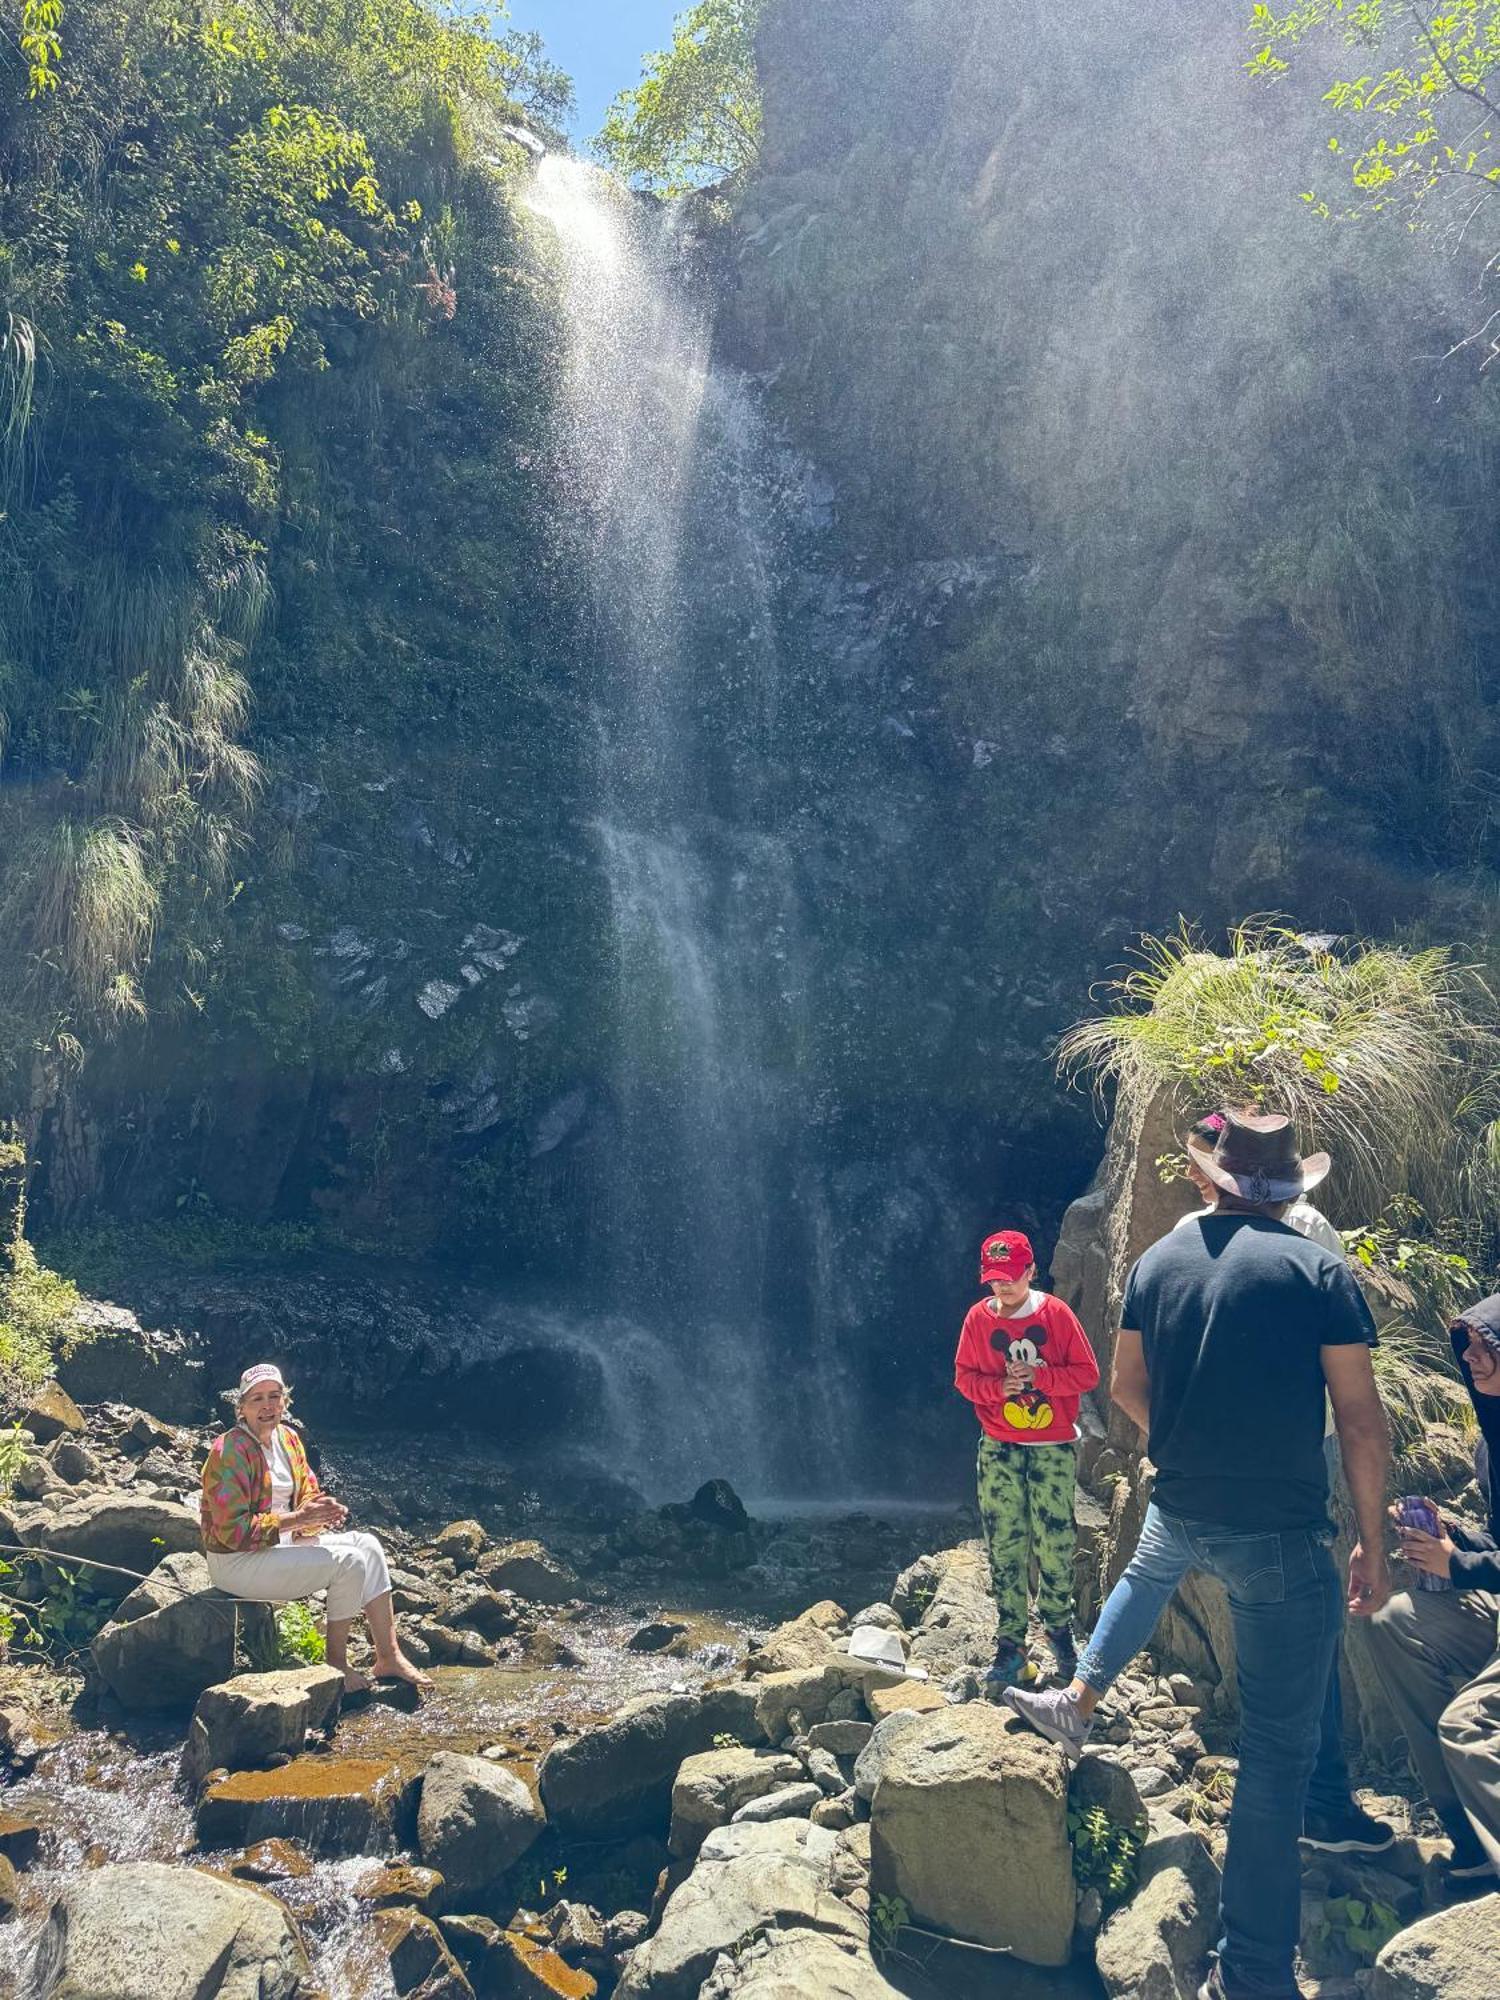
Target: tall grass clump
(1383, 1056)
(82, 896)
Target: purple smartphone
(1413, 1512)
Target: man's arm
(1129, 1382)
(1365, 1443)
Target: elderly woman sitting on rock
(271, 1535)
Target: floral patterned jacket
(236, 1506)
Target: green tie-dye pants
(1026, 1505)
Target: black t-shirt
(1232, 1310)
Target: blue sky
(599, 43)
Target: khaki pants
(1438, 1657)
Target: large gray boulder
(1154, 1947)
(145, 1931)
(956, 1625)
(175, 1635)
(869, 1767)
(749, 1880)
(254, 1720)
(109, 1356)
(475, 1821)
(710, 1789)
(1454, 1955)
(968, 1828)
(617, 1779)
(798, 1965)
(117, 1528)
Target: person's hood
(1483, 1315)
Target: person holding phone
(1438, 1652)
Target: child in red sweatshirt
(1024, 1362)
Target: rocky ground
(593, 1801)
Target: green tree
(1418, 98)
(695, 116)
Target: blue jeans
(1287, 1607)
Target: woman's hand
(1432, 1554)
(314, 1515)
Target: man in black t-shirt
(1233, 1328)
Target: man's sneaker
(1056, 1714)
(1010, 1666)
(1349, 1831)
(1064, 1648)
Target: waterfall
(670, 511)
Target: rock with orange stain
(333, 1805)
(533, 1971)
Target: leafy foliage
(36, 1307)
(1106, 1855)
(1375, 1051)
(298, 1639)
(202, 216)
(1418, 110)
(695, 116)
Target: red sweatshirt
(1043, 1331)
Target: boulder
(395, 1886)
(804, 1641)
(790, 1802)
(462, 1543)
(118, 1528)
(20, 1838)
(1101, 1780)
(916, 1697)
(332, 1805)
(528, 1570)
(141, 1930)
(1450, 1956)
(749, 1880)
(844, 1739)
(717, 1505)
(965, 1804)
(175, 1635)
(870, 1765)
(956, 1626)
(798, 1965)
(656, 1636)
(52, 1413)
(1154, 1946)
(419, 1959)
(75, 1463)
(475, 1820)
(493, 1614)
(710, 1789)
(527, 1969)
(259, 1719)
(110, 1357)
(617, 1779)
(10, 1889)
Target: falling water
(673, 518)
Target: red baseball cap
(1006, 1255)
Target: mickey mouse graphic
(1026, 1407)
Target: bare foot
(399, 1668)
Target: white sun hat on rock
(880, 1648)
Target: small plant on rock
(298, 1640)
(1106, 1855)
(889, 1916)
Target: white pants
(350, 1567)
